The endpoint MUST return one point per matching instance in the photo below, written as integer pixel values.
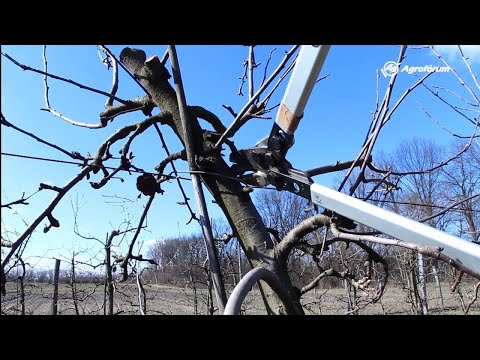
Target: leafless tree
(164, 105)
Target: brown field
(170, 300)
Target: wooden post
(197, 185)
(56, 275)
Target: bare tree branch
(431, 251)
(229, 132)
(242, 78)
(425, 171)
(25, 67)
(475, 297)
(338, 166)
(454, 108)
(114, 89)
(21, 201)
(46, 212)
(467, 64)
(266, 66)
(143, 103)
(430, 116)
(124, 263)
(454, 94)
(208, 116)
(279, 81)
(160, 168)
(163, 118)
(72, 154)
(314, 283)
(376, 124)
(230, 110)
(460, 79)
(6, 243)
(298, 232)
(185, 197)
(451, 206)
(383, 120)
(251, 66)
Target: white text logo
(391, 68)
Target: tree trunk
(74, 289)
(195, 295)
(239, 261)
(56, 275)
(237, 205)
(438, 287)
(422, 286)
(412, 285)
(109, 273)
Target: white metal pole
(463, 251)
(304, 76)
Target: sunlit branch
(425, 171)
(460, 79)
(431, 251)
(454, 108)
(430, 116)
(296, 235)
(28, 68)
(228, 132)
(72, 154)
(114, 88)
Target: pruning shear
(265, 164)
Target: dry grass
(181, 301)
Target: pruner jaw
(258, 178)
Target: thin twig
(242, 112)
(72, 154)
(230, 110)
(448, 104)
(460, 79)
(52, 111)
(430, 116)
(456, 203)
(21, 201)
(114, 89)
(429, 170)
(431, 251)
(243, 78)
(437, 87)
(266, 66)
(46, 212)
(384, 119)
(338, 166)
(28, 68)
(184, 195)
(375, 129)
(251, 67)
(279, 81)
(475, 297)
(124, 262)
(475, 80)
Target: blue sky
(333, 128)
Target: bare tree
(203, 150)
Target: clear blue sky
(333, 128)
